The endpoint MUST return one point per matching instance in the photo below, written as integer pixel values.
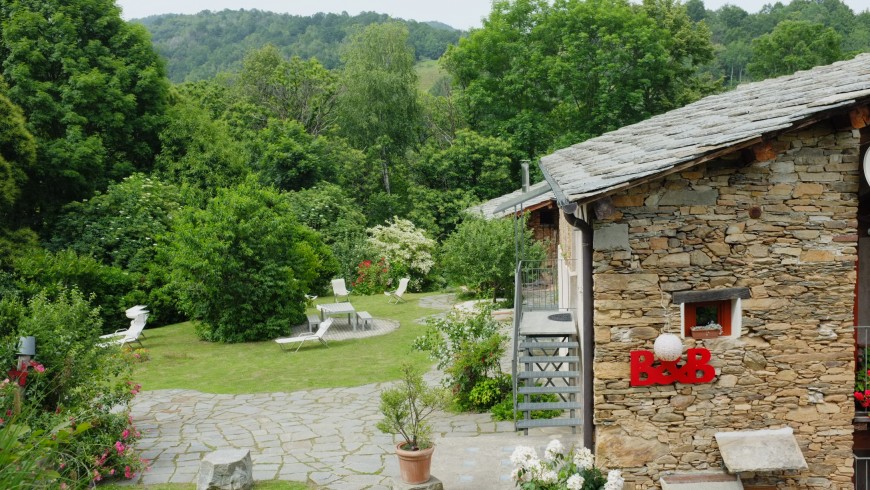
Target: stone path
(325, 436)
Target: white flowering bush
(407, 250)
(561, 470)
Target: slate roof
(744, 116)
(488, 208)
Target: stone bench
(313, 321)
(364, 319)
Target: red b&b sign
(695, 370)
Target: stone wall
(793, 364)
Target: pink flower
(119, 447)
(63, 486)
(125, 434)
(39, 367)
(112, 471)
(97, 476)
(127, 473)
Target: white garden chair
(301, 338)
(398, 293)
(339, 288)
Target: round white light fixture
(668, 347)
(867, 165)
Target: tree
(482, 255)
(303, 91)
(198, 152)
(93, 90)
(486, 166)
(793, 46)
(550, 76)
(121, 226)
(378, 106)
(243, 264)
(17, 153)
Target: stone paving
(325, 436)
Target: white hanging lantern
(668, 347)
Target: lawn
(428, 73)
(178, 359)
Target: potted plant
(405, 408)
(709, 331)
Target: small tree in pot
(405, 408)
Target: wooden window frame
(724, 316)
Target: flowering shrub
(371, 278)
(862, 387)
(74, 398)
(406, 249)
(574, 470)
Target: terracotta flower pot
(415, 465)
(705, 334)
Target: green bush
(52, 273)
(74, 389)
(469, 349)
(504, 410)
(243, 264)
(490, 391)
(481, 254)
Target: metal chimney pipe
(525, 171)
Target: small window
(548, 217)
(700, 314)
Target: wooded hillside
(200, 46)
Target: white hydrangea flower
(522, 455)
(549, 476)
(575, 482)
(535, 467)
(584, 459)
(554, 448)
(614, 480)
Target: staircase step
(549, 344)
(527, 424)
(538, 390)
(521, 407)
(548, 374)
(539, 359)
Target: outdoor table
(331, 309)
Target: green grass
(260, 485)
(428, 72)
(178, 359)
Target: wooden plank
(710, 295)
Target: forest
(302, 149)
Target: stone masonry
(792, 365)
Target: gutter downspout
(587, 345)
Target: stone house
(742, 210)
(536, 203)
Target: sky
(461, 14)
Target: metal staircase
(546, 350)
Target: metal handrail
(862, 472)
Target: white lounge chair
(301, 338)
(398, 293)
(137, 324)
(129, 336)
(340, 289)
